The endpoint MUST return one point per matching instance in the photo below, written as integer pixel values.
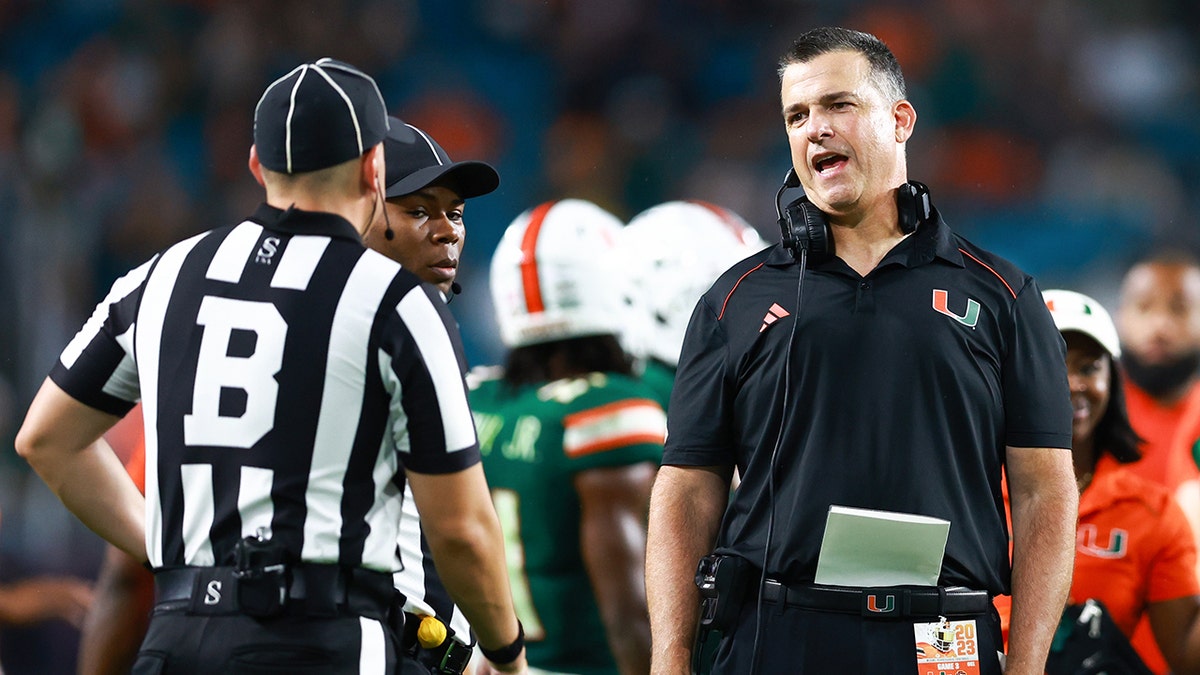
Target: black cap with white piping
(317, 116)
(415, 161)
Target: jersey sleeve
(424, 373)
(698, 428)
(1173, 575)
(97, 367)
(615, 422)
(1037, 402)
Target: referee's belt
(889, 602)
(309, 589)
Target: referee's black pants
(178, 643)
(795, 640)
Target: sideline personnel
(905, 373)
(422, 227)
(1134, 551)
(672, 253)
(426, 201)
(288, 377)
(570, 442)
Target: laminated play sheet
(867, 547)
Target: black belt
(890, 602)
(310, 589)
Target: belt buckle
(881, 603)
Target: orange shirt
(1186, 450)
(1186, 442)
(1133, 546)
(1162, 461)
(128, 439)
(1167, 460)
(136, 467)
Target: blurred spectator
(1159, 323)
(1158, 319)
(42, 599)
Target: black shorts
(179, 643)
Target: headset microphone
(387, 232)
(799, 243)
(790, 180)
(802, 226)
(455, 289)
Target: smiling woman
(1134, 550)
(1089, 367)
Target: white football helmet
(674, 252)
(554, 275)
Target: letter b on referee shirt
(253, 373)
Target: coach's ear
(255, 167)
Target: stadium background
(1062, 134)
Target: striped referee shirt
(287, 376)
(418, 580)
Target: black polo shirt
(905, 387)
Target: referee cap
(415, 161)
(317, 116)
(1077, 312)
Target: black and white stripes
(287, 374)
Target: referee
(422, 227)
(290, 379)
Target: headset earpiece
(805, 227)
(912, 206)
(802, 226)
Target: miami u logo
(1087, 540)
(889, 604)
(941, 303)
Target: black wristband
(505, 655)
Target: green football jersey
(660, 378)
(533, 440)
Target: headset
(803, 226)
(805, 232)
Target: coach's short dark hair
(818, 41)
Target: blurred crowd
(1062, 134)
